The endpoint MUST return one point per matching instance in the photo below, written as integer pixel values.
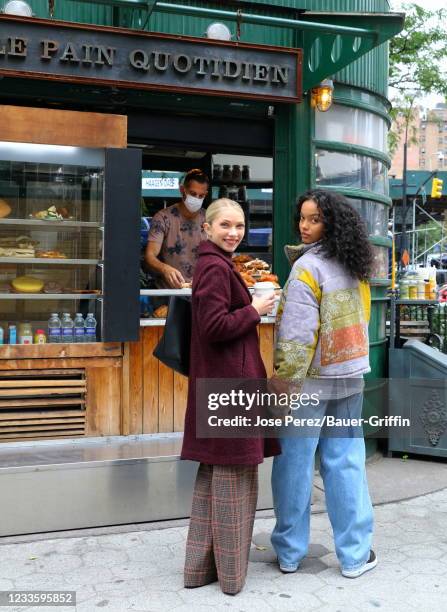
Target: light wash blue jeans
(342, 467)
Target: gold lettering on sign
(16, 47)
(87, 49)
(49, 48)
(215, 63)
(139, 59)
(280, 75)
(261, 72)
(202, 61)
(246, 76)
(105, 55)
(161, 61)
(232, 69)
(182, 63)
(69, 54)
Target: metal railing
(422, 319)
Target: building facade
(342, 149)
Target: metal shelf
(50, 296)
(46, 223)
(165, 292)
(154, 322)
(45, 260)
(249, 184)
(415, 302)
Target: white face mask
(193, 204)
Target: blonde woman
(224, 345)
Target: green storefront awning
(330, 40)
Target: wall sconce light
(321, 97)
(218, 31)
(17, 7)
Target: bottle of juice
(25, 333)
(403, 289)
(412, 287)
(432, 281)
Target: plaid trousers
(221, 526)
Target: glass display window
(374, 214)
(336, 169)
(352, 126)
(381, 262)
(51, 233)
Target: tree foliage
(417, 66)
(417, 54)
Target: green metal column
(292, 175)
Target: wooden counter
(98, 389)
(154, 396)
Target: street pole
(403, 244)
(404, 256)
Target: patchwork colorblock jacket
(322, 322)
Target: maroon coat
(224, 345)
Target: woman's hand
(264, 304)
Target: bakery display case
(58, 208)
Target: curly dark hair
(345, 236)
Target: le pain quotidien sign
(43, 49)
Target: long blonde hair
(217, 206)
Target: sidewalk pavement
(116, 570)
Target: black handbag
(175, 344)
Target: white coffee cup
(263, 288)
(266, 288)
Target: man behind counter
(176, 232)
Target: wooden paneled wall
(154, 396)
(101, 368)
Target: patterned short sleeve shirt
(179, 238)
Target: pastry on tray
(242, 259)
(52, 287)
(50, 214)
(161, 312)
(17, 246)
(257, 264)
(51, 255)
(248, 279)
(27, 284)
(272, 278)
(16, 252)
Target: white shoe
(369, 565)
